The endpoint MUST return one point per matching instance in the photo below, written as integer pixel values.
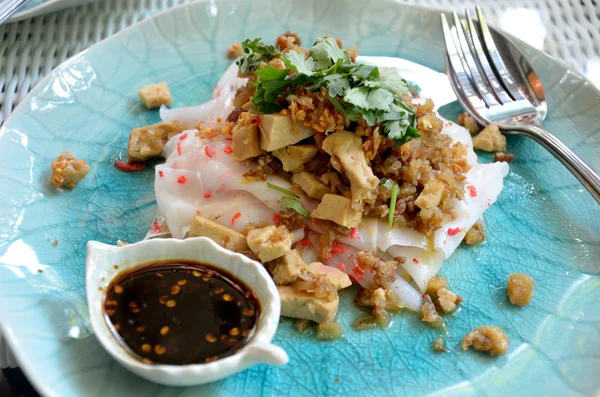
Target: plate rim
(44, 8)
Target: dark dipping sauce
(180, 313)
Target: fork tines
(476, 63)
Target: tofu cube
(345, 149)
(447, 300)
(278, 131)
(311, 185)
(270, 242)
(245, 142)
(336, 277)
(288, 268)
(148, 142)
(155, 95)
(337, 209)
(299, 304)
(224, 236)
(294, 157)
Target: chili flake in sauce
(180, 313)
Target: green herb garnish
(387, 183)
(294, 204)
(393, 198)
(282, 190)
(356, 90)
(254, 53)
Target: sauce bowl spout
(264, 353)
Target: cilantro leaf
(362, 71)
(254, 53)
(326, 53)
(393, 83)
(265, 96)
(271, 73)
(296, 61)
(358, 97)
(400, 131)
(355, 90)
(336, 84)
(369, 99)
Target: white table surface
(568, 30)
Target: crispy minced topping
(430, 313)
(488, 339)
(468, 122)
(315, 111)
(439, 346)
(475, 235)
(432, 169)
(329, 331)
(235, 50)
(506, 157)
(520, 289)
(428, 168)
(440, 296)
(67, 170)
(382, 301)
(435, 284)
(490, 139)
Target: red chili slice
(209, 151)
(182, 179)
(472, 190)
(227, 149)
(129, 167)
(453, 232)
(338, 250)
(358, 274)
(234, 217)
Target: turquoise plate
(544, 224)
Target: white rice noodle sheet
(346, 262)
(158, 228)
(200, 175)
(484, 184)
(218, 107)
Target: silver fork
(503, 89)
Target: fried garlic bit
(488, 339)
(67, 170)
(520, 289)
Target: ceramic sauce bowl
(101, 269)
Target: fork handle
(574, 163)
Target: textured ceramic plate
(33, 8)
(544, 224)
